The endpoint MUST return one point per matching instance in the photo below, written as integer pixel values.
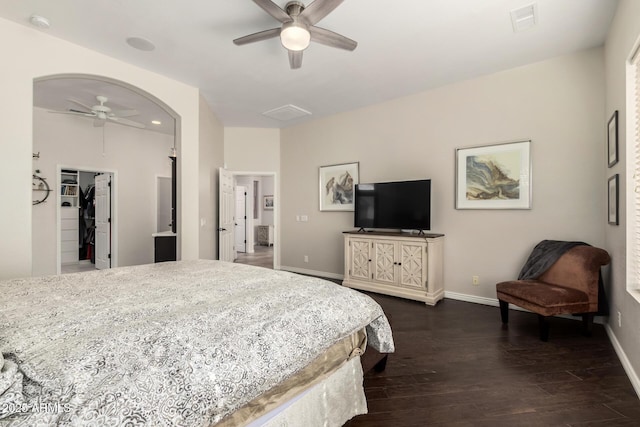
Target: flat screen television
(394, 205)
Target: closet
(78, 206)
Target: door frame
(236, 227)
(114, 211)
(276, 210)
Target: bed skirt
(342, 352)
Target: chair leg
(504, 311)
(544, 328)
(587, 323)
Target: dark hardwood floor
(455, 365)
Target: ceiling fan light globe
(295, 36)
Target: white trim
(471, 298)
(312, 272)
(624, 360)
(630, 195)
(600, 320)
(635, 51)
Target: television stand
(405, 265)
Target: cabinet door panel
(385, 261)
(413, 264)
(360, 266)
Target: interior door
(226, 207)
(103, 221)
(241, 219)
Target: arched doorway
(73, 139)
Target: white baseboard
(471, 298)
(600, 320)
(626, 364)
(312, 272)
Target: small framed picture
(613, 200)
(612, 139)
(267, 203)
(337, 183)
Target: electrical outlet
(475, 280)
(619, 320)
(306, 258)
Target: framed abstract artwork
(613, 194)
(267, 203)
(496, 176)
(612, 139)
(337, 184)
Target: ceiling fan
(101, 113)
(298, 28)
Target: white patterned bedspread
(179, 343)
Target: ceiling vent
(286, 112)
(524, 17)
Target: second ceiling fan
(101, 113)
(298, 28)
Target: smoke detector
(40, 22)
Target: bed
(186, 343)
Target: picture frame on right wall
(612, 139)
(613, 193)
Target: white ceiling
(404, 47)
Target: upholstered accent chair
(569, 286)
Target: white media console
(405, 265)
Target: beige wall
(623, 35)
(32, 54)
(556, 103)
(211, 158)
(136, 155)
(252, 149)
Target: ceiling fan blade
(85, 106)
(256, 37)
(317, 10)
(127, 122)
(98, 123)
(124, 113)
(295, 59)
(274, 10)
(329, 38)
(74, 113)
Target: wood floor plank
(456, 365)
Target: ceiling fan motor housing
(294, 8)
(295, 34)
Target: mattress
(178, 343)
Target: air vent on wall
(286, 112)
(524, 17)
